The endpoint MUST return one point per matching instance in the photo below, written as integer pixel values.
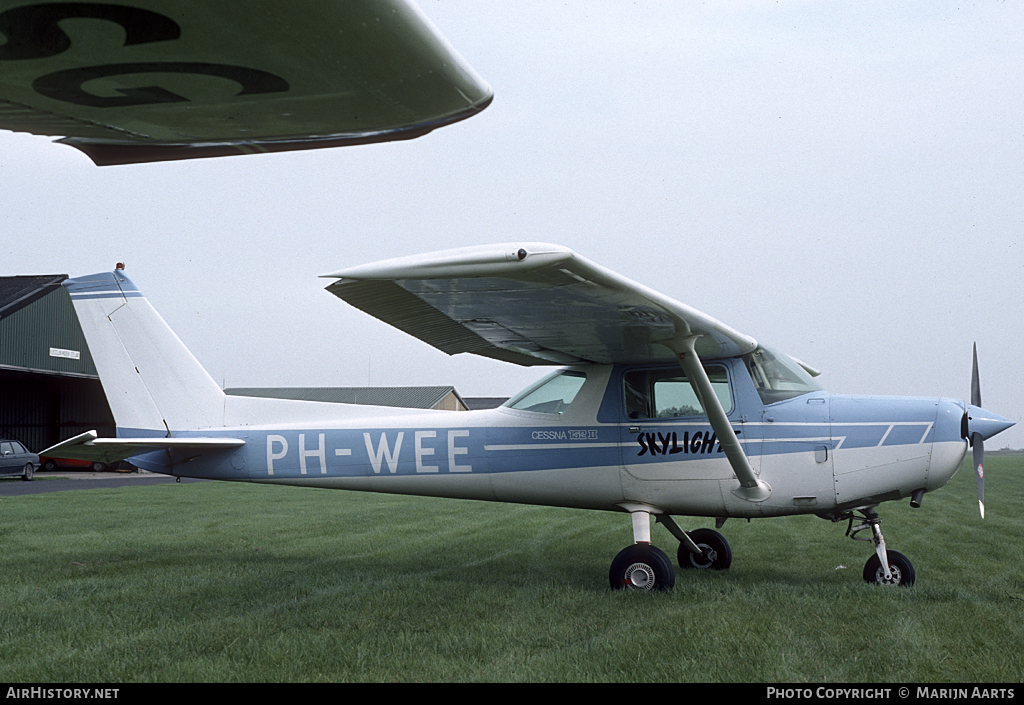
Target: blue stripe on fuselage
(310, 453)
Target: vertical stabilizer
(150, 378)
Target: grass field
(228, 582)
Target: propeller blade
(977, 441)
(979, 469)
(975, 381)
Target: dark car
(16, 459)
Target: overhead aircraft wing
(153, 80)
(532, 304)
(88, 446)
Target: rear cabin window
(662, 394)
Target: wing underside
(151, 80)
(531, 304)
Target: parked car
(49, 463)
(16, 459)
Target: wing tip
(105, 152)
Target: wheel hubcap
(705, 559)
(639, 576)
(896, 576)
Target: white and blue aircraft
(657, 410)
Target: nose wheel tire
(642, 567)
(900, 567)
(716, 552)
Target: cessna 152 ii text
(657, 410)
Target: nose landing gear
(885, 567)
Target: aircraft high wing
(152, 80)
(659, 411)
(502, 301)
(544, 304)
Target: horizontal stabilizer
(88, 446)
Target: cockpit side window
(778, 377)
(659, 394)
(552, 395)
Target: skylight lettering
(702, 442)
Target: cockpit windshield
(552, 395)
(778, 377)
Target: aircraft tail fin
(151, 380)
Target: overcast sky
(843, 181)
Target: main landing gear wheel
(716, 552)
(642, 567)
(900, 567)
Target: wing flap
(532, 304)
(88, 446)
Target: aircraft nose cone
(985, 422)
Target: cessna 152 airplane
(657, 410)
(153, 80)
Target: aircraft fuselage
(609, 446)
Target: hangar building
(49, 388)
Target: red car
(49, 463)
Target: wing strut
(751, 488)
